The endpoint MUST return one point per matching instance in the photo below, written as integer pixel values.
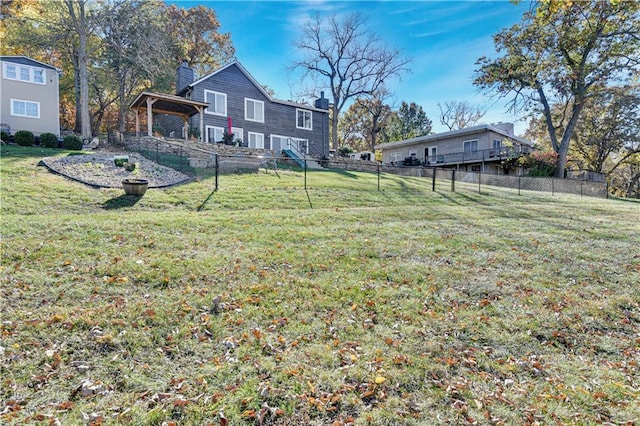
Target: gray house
(30, 96)
(237, 102)
(481, 148)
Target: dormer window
(23, 73)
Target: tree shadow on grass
(121, 202)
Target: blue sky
(444, 38)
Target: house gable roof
(454, 133)
(253, 81)
(24, 60)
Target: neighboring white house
(29, 96)
(480, 148)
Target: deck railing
(494, 154)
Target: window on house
(497, 144)
(304, 119)
(471, 146)
(253, 110)
(214, 134)
(38, 75)
(217, 102)
(22, 108)
(24, 73)
(238, 133)
(10, 72)
(256, 140)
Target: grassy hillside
(264, 303)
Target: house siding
(279, 117)
(452, 147)
(46, 95)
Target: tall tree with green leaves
(606, 139)
(135, 49)
(409, 121)
(365, 119)
(563, 53)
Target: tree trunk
(84, 78)
(76, 87)
(635, 181)
(561, 162)
(122, 113)
(334, 126)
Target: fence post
(305, 174)
(215, 156)
(433, 180)
(553, 192)
(479, 179)
(378, 177)
(157, 153)
(453, 180)
(180, 157)
(519, 178)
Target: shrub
(72, 142)
(25, 138)
(4, 136)
(540, 163)
(49, 140)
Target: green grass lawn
(264, 303)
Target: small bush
(4, 136)
(72, 142)
(25, 138)
(49, 140)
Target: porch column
(137, 121)
(201, 115)
(149, 117)
(185, 118)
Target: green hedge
(72, 142)
(25, 138)
(48, 140)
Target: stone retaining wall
(199, 154)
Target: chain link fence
(202, 162)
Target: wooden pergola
(159, 103)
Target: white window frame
(496, 144)
(215, 95)
(471, 144)
(215, 129)
(255, 103)
(255, 144)
(41, 73)
(19, 70)
(304, 111)
(14, 102)
(5, 71)
(238, 133)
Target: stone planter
(135, 186)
